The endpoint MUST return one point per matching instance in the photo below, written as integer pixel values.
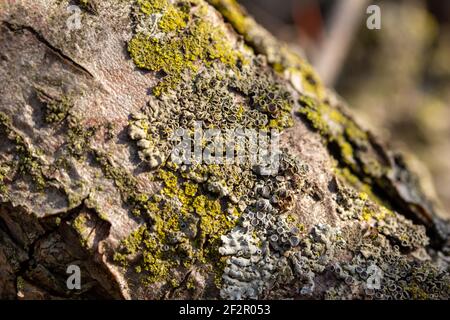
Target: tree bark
(86, 178)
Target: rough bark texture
(85, 176)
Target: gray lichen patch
(217, 100)
(251, 270)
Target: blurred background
(396, 79)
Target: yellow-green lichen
(57, 110)
(20, 283)
(331, 124)
(375, 214)
(28, 161)
(56, 107)
(74, 199)
(79, 224)
(346, 141)
(152, 6)
(78, 137)
(190, 189)
(184, 227)
(190, 283)
(3, 174)
(173, 20)
(187, 217)
(280, 56)
(346, 175)
(201, 41)
(124, 182)
(231, 10)
(416, 292)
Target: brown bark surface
(72, 177)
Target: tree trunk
(87, 112)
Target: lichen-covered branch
(86, 175)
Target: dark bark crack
(58, 52)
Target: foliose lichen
(231, 215)
(195, 41)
